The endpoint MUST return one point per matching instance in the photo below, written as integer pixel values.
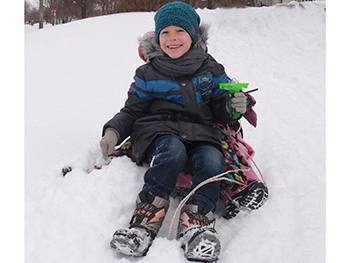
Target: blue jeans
(168, 156)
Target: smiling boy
(174, 41)
(172, 116)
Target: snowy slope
(76, 78)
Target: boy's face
(174, 41)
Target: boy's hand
(108, 143)
(239, 102)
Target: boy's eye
(164, 32)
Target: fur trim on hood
(152, 49)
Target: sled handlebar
(233, 87)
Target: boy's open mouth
(174, 46)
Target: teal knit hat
(177, 14)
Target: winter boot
(196, 232)
(144, 226)
(250, 197)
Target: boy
(172, 116)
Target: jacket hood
(152, 49)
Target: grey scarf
(185, 65)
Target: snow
(76, 78)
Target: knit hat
(177, 14)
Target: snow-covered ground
(76, 78)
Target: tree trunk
(41, 14)
(83, 9)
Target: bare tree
(41, 14)
(27, 10)
(108, 6)
(66, 11)
(62, 11)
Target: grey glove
(108, 143)
(239, 102)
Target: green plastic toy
(233, 88)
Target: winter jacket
(189, 107)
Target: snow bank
(76, 78)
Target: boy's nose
(172, 36)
